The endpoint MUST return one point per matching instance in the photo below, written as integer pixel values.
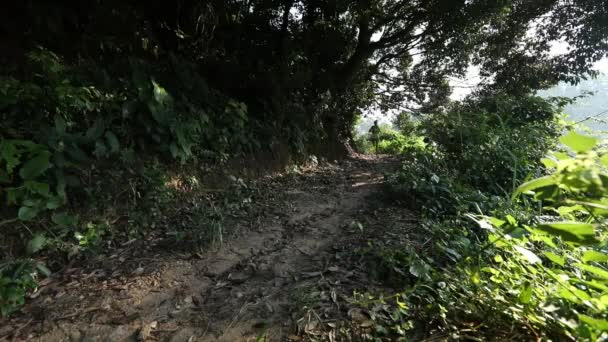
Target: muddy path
(244, 289)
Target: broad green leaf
(491, 270)
(525, 294)
(577, 232)
(36, 244)
(100, 149)
(539, 235)
(535, 184)
(598, 207)
(604, 159)
(419, 269)
(475, 278)
(512, 221)
(594, 256)
(496, 222)
(14, 194)
(38, 187)
(54, 202)
(564, 210)
(10, 155)
(528, 255)
(555, 258)
(594, 284)
(35, 166)
(174, 150)
(561, 156)
(64, 219)
(112, 142)
(76, 153)
(27, 213)
(577, 142)
(517, 233)
(599, 272)
(43, 269)
(573, 294)
(549, 163)
(60, 126)
(597, 324)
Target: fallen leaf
(358, 315)
(145, 332)
(310, 274)
(366, 324)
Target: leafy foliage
(493, 143)
(391, 141)
(67, 135)
(537, 271)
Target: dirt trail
(235, 293)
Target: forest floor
(290, 276)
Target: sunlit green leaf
(525, 294)
(496, 222)
(599, 272)
(604, 159)
(542, 237)
(549, 163)
(528, 255)
(573, 294)
(577, 232)
(535, 184)
(577, 142)
(597, 324)
(594, 256)
(565, 210)
(555, 258)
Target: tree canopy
(323, 60)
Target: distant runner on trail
(374, 133)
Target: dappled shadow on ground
(153, 290)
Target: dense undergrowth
(91, 157)
(513, 241)
(391, 141)
(112, 112)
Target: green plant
(541, 272)
(391, 141)
(495, 142)
(18, 277)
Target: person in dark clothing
(374, 135)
